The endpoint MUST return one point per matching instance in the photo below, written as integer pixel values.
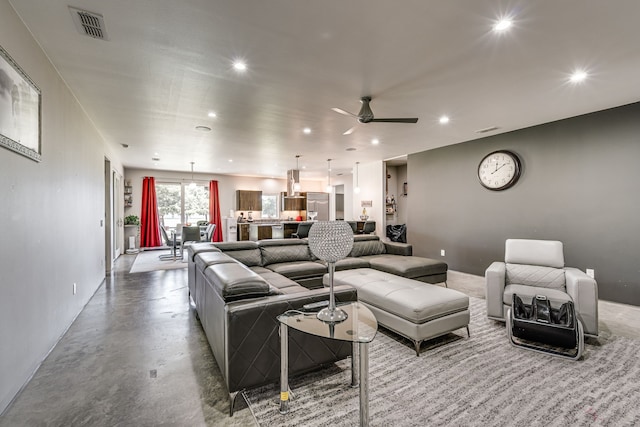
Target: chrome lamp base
(332, 315)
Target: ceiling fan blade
(346, 113)
(349, 131)
(403, 120)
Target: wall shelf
(128, 196)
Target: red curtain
(214, 211)
(149, 220)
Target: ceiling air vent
(89, 23)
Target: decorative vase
(331, 241)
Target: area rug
(481, 380)
(150, 261)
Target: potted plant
(131, 220)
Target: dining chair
(174, 243)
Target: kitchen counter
(271, 229)
(260, 231)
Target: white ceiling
(167, 63)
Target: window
(196, 204)
(182, 203)
(269, 206)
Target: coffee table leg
(284, 368)
(364, 383)
(355, 373)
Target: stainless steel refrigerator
(318, 202)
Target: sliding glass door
(180, 203)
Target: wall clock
(499, 170)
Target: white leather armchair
(536, 267)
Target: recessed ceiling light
(502, 25)
(230, 160)
(375, 141)
(444, 120)
(203, 128)
(212, 114)
(578, 76)
(306, 130)
(350, 149)
(239, 65)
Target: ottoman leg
(417, 343)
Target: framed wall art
(20, 105)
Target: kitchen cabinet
(243, 231)
(260, 231)
(247, 200)
(293, 203)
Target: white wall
(51, 213)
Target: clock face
(499, 170)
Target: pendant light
(357, 187)
(193, 183)
(329, 187)
(293, 181)
(296, 183)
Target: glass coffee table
(359, 328)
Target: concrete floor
(137, 355)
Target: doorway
(113, 221)
(117, 234)
(108, 260)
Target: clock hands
(497, 168)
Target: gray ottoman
(414, 309)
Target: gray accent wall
(579, 185)
(52, 236)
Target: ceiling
(167, 64)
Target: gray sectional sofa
(239, 289)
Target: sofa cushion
(281, 284)
(547, 253)
(534, 275)
(298, 269)
(205, 259)
(195, 248)
(234, 281)
(409, 266)
(260, 270)
(350, 263)
(279, 251)
(366, 245)
(245, 252)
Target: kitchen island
(272, 230)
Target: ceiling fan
(366, 115)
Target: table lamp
(331, 241)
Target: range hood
(293, 178)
